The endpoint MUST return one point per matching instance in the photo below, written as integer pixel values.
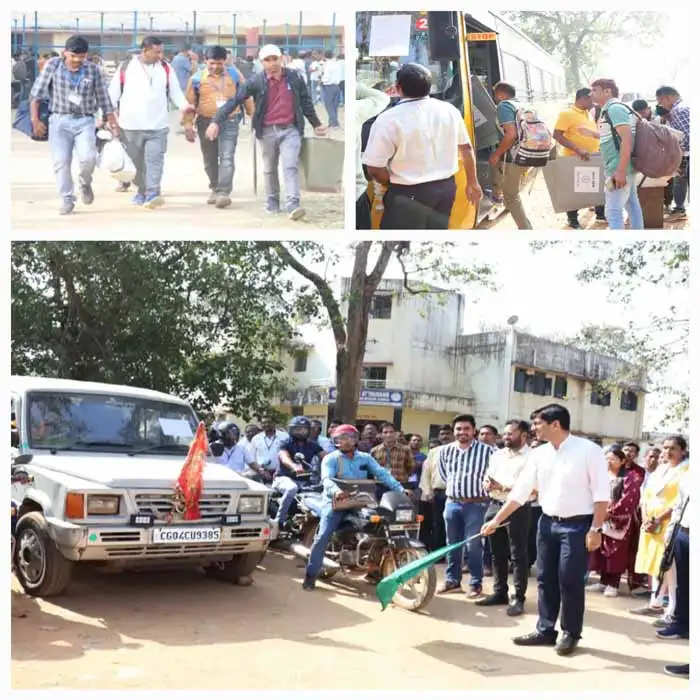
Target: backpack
(201, 76)
(656, 151)
(534, 139)
(122, 77)
(23, 120)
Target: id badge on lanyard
(74, 98)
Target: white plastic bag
(115, 159)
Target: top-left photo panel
(165, 123)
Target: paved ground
(185, 186)
(166, 630)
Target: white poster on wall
(390, 35)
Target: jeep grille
(211, 505)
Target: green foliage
(204, 321)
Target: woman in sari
(658, 499)
(611, 559)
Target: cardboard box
(322, 164)
(574, 183)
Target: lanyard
(76, 77)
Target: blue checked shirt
(56, 83)
(679, 118)
(337, 465)
(463, 470)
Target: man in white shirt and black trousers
(462, 465)
(413, 148)
(571, 477)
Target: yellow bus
(466, 53)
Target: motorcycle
(374, 538)
(17, 476)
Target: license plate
(404, 516)
(186, 534)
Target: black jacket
(256, 88)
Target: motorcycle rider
(225, 447)
(355, 465)
(299, 441)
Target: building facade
(420, 370)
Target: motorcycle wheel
(418, 591)
(307, 539)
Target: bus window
(515, 70)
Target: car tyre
(241, 566)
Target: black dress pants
(423, 206)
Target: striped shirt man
(463, 470)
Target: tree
(350, 332)
(204, 321)
(580, 38)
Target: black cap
(77, 44)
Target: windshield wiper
(152, 448)
(88, 443)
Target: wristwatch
(599, 530)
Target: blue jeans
(624, 198)
(562, 563)
(315, 91)
(289, 491)
(680, 185)
(463, 520)
(284, 142)
(681, 553)
(219, 154)
(147, 150)
(66, 134)
(331, 100)
(330, 519)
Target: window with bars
(628, 401)
(380, 306)
(560, 387)
(300, 358)
(600, 397)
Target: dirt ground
(171, 630)
(35, 202)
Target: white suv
(105, 460)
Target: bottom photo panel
(465, 462)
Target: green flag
(387, 587)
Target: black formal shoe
(517, 607)
(450, 587)
(679, 671)
(309, 583)
(536, 639)
(566, 644)
(493, 599)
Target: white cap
(269, 50)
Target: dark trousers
(535, 512)
(423, 206)
(681, 553)
(363, 213)
(510, 541)
(600, 212)
(572, 216)
(426, 527)
(439, 532)
(680, 184)
(562, 562)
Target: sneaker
(516, 607)
(595, 588)
(272, 210)
(474, 592)
(153, 201)
(671, 632)
(493, 599)
(536, 639)
(309, 584)
(211, 199)
(297, 213)
(87, 196)
(223, 201)
(610, 592)
(449, 587)
(677, 670)
(647, 610)
(138, 199)
(67, 206)
(665, 621)
(676, 215)
(639, 591)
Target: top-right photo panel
(522, 120)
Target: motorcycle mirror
(23, 458)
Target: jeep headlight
(250, 504)
(102, 505)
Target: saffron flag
(189, 484)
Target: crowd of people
(212, 90)
(536, 494)
(411, 146)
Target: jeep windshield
(108, 423)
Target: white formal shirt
(569, 480)
(326, 444)
(143, 106)
(298, 64)
(417, 141)
(266, 449)
(332, 72)
(505, 467)
(235, 458)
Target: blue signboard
(376, 397)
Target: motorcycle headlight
(102, 505)
(250, 504)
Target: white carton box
(574, 183)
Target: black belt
(572, 519)
(72, 114)
(686, 530)
(439, 490)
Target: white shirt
(316, 70)
(505, 467)
(569, 480)
(144, 105)
(326, 444)
(430, 478)
(266, 449)
(298, 65)
(417, 141)
(234, 458)
(332, 72)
